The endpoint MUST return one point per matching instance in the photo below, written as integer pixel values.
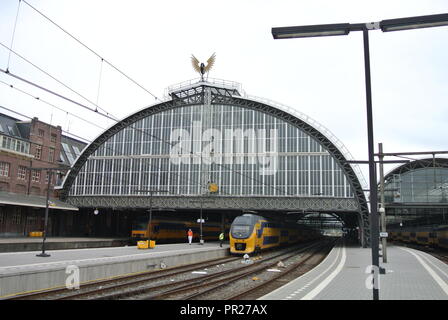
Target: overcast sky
(152, 41)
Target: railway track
(187, 281)
(223, 286)
(95, 287)
(293, 271)
(194, 281)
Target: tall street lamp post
(345, 29)
(43, 254)
(47, 201)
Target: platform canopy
(209, 139)
(16, 199)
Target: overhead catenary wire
(99, 83)
(8, 72)
(13, 34)
(107, 115)
(56, 94)
(52, 105)
(91, 50)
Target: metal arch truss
(195, 95)
(317, 204)
(418, 164)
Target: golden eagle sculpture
(200, 67)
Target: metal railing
(185, 85)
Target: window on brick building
(40, 132)
(4, 169)
(21, 173)
(35, 176)
(53, 138)
(38, 154)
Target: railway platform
(345, 274)
(58, 243)
(23, 272)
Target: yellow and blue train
(434, 237)
(169, 230)
(251, 233)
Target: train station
(211, 153)
(260, 156)
(211, 194)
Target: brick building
(26, 148)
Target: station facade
(208, 146)
(416, 194)
(27, 149)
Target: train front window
(240, 231)
(242, 226)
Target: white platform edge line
(311, 295)
(427, 257)
(433, 274)
(292, 283)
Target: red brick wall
(15, 185)
(12, 183)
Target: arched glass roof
(211, 132)
(420, 181)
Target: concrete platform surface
(11, 262)
(346, 275)
(22, 272)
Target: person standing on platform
(221, 239)
(190, 236)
